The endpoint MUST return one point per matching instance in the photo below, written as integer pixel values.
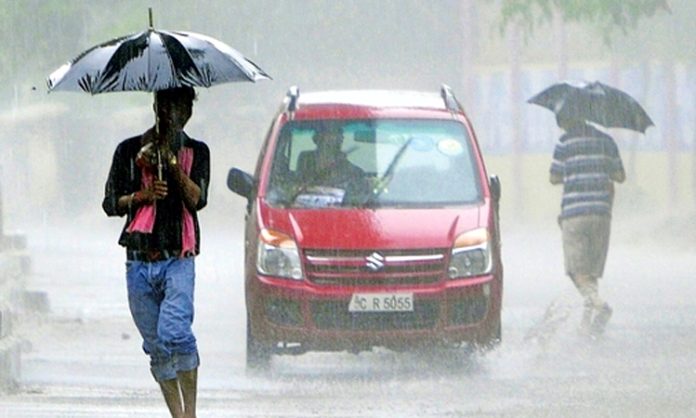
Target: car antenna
(292, 97)
(451, 102)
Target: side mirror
(494, 184)
(240, 182)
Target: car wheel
(258, 354)
(490, 339)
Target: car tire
(491, 339)
(258, 354)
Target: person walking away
(587, 162)
(159, 181)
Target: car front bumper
(317, 317)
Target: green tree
(607, 16)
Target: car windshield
(373, 163)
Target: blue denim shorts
(160, 296)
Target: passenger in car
(329, 166)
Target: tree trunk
(468, 19)
(671, 130)
(561, 45)
(693, 145)
(514, 48)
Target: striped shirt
(586, 159)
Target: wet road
(84, 360)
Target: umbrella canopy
(154, 60)
(594, 102)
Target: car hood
(380, 228)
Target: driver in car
(328, 165)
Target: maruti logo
(375, 261)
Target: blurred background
(495, 54)
(57, 147)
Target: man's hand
(159, 189)
(555, 178)
(168, 157)
(156, 191)
(618, 176)
(147, 156)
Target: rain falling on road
(82, 358)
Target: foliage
(607, 16)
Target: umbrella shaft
(159, 165)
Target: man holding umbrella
(159, 181)
(587, 162)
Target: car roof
(374, 99)
(347, 104)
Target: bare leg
(170, 390)
(588, 288)
(601, 319)
(586, 323)
(188, 381)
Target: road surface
(84, 358)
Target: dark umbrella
(154, 60)
(594, 102)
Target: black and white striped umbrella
(154, 60)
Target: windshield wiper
(386, 178)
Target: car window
(385, 163)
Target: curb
(10, 364)
(15, 265)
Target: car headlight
(471, 255)
(278, 256)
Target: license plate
(381, 302)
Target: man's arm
(158, 190)
(190, 191)
(618, 176)
(114, 203)
(556, 170)
(617, 173)
(120, 196)
(194, 186)
(555, 178)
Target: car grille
(352, 268)
(283, 311)
(334, 315)
(468, 310)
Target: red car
(395, 245)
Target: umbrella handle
(157, 119)
(159, 164)
(157, 131)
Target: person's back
(587, 162)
